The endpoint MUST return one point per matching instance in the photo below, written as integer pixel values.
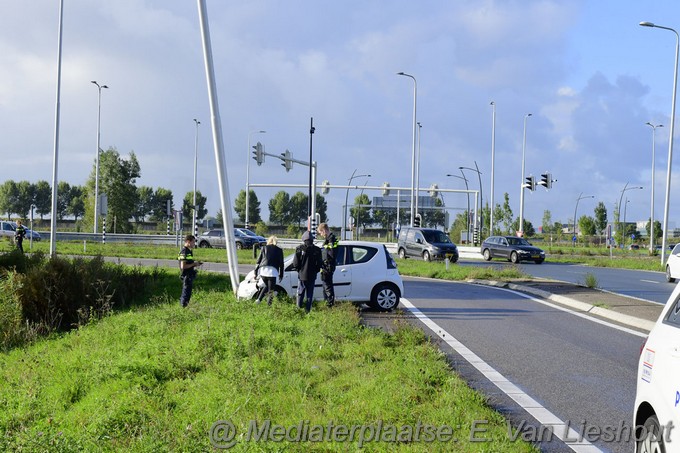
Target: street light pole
(521, 187)
(345, 210)
(651, 216)
(580, 197)
(420, 127)
(413, 153)
(248, 174)
(479, 176)
(193, 218)
(468, 201)
(670, 140)
(625, 188)
(493, 158)
(96, 171)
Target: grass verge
(157, 378)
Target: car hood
(528, 248)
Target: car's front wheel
(426, 256)
(204, 244)
(385, 297)
(402, 254)
(514, 258)
(652, 437)
(239, 245)
(487, 254)
(669, 278)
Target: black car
(216, 239)
(511, 248)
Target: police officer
(19, 235)
(330, 246)
(188, 267)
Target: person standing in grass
(307, 261)
(330, 245)
(188, 267)
(269, 266)
(19, 236)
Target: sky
(588, 74)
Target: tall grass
(157, 378)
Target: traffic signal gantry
(546, 181)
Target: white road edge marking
(560, 429)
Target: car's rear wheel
(514, 258)
(487, 254)
(426, 256)
(669, 278)
(384, 297)
(239, 245)
(652, 437)
(402, 254)
(204, 244)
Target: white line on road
(649, 281)
(561, 429)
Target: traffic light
(546, 180)
(416, 221)
(325, 187)
(530, 183)
(287, 162)
(258, 154)
(434, 190)
(386, 189)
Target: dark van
(426, 243)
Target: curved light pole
(413, 153)
(467, 214)
(651, 216)
(248, 173)
(493, 158)
(344, 217)
(193, 217)
(521, 187)
(479, 176)
(96, 170)
(420, 127)
(625, 188)
(625, 207)
(670, 140)
(580, 197)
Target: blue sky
(587, 72)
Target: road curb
(628, 320)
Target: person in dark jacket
(188, 267)
(19, 236)
(269, 266)
(330, 245)
(307, 261)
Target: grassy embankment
(156, 378)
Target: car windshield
(436, 237)
(518, 241)
(247, 232)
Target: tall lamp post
(651, 216)
(468, 200)
(248, 173)
(194, 228)
(493, 158)
(521, 187)
(413, 153)
(625, 188)
(670, 140)
(96, 171)
(344, 217)
(580, 197)
(479, 176)
(420, 127)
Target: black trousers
(328, 290)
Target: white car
(673, 264)
(657, 400)
(365, 272)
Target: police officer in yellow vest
(188, 267)
(328, 250)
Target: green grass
(157, 378)
(437, 269)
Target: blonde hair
(272, 240)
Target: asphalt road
(581, 371)
(646, 285)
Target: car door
(342, 277)
(500, 247)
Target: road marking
(561, 429)
(650, 281)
